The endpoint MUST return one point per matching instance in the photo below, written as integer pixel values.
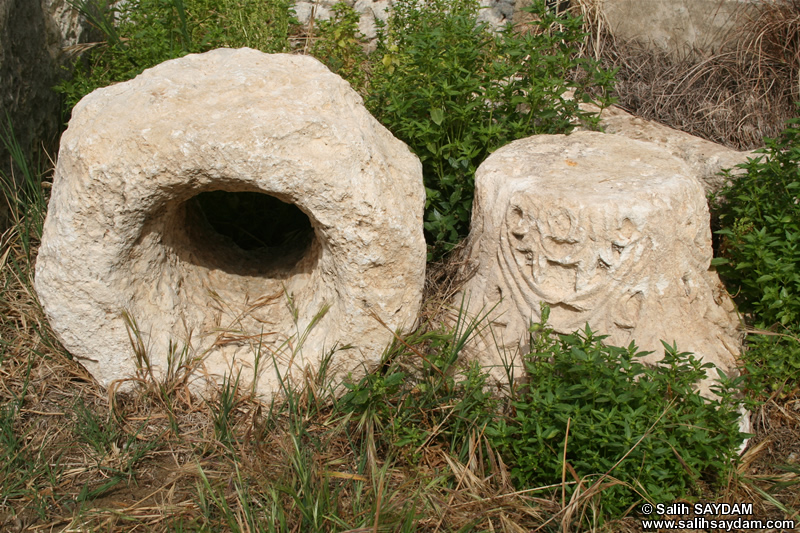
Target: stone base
(130, 236)
(607, 231)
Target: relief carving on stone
(606, 231)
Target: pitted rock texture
(126, 248)
(608, 231)
(706, 159)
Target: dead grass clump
(770, 467)
(773, 36)
(444, 279)
(734, 96)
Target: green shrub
(644, 426)
(139, 34)
(455, 91)
(760, 250)
(770, 362)
(760, 216)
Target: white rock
(606, 230)
(368, 29)
(705, 158)
(380, 8)
(123, 237)
(370, 11)
(490, 13)
(305, 11)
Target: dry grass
(734, 96)
(80, 458)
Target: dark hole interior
(255, 220)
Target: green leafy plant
(340, 46)
(140, 34)
(593, 410)
(759, 253)
(771, 363)
(760, 215)
(455, 91)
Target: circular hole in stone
(255, 220)
(247, 228)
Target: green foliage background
(455, 91)
(139, 34)
(760, 257)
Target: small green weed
(434, 399)
(24, 470)
(455, 91)
(340, 46)
(116, 452)
(102, 435)
(223, 410)
(23, 193)
(593, 410)
(10, 442)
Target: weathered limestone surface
(122, 238)
(606, 230)
(705, 158)
(679, 27)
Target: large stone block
(134, 227)
(706, 159)
(679, 27)
(608, 231)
